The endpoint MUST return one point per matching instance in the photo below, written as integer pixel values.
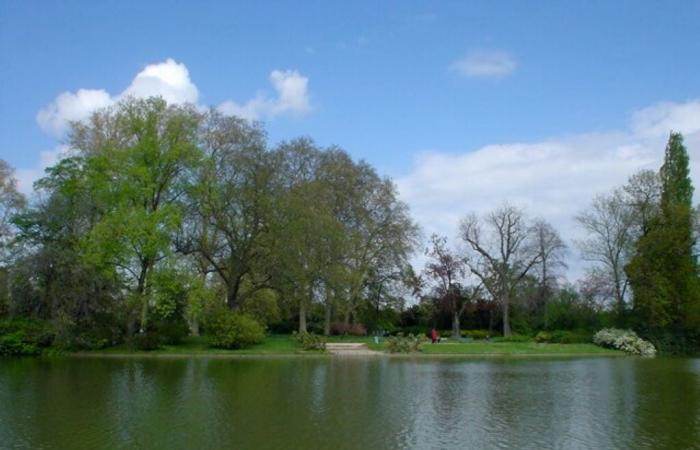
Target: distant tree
(11, 202)
(552, 250)
(663, 272)
(501, 257)
(447, 271)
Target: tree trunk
(194, 327)
(506, 317)
(456, 334)
(327, 320)
(302, 317)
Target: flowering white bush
(625, 340)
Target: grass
(287, 345)
(515, 348)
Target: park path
(350, 349)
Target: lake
(350, 402)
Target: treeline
(163, 214)
(641, 241)
(166, 220)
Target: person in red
(434, 336)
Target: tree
(663, 272)
(11, 202)
(503, 256)
(447, 269)
(609, 222)
(229, 203)
(551, 250)
(137, 154)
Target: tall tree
(230, 203)
(447, 271)
(663, 272)
(137, 155)
(551, 249)
(503, 256)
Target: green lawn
(514, 348)
(287, 345)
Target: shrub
(357, 329)
(563, 337)
(339, 328)
(311, 341)
(172, 332)
(478, 334)
(404, 344)
(228, 329)
(24, 337)
(414, 329)
(147, 341)
(515, 338)
(625, 340)
(15, 345)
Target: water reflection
(350, 403)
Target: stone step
(343, 346)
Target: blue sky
(434, 94)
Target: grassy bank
(287, 345)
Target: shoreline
(203, 355)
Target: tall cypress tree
(663, 273)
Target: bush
(342, 329)
(228, 329)
(14, 345)
(404, 344)
(563, 337)
(311, 341)
(515, 338)
(24, 337)
(478, 334)
(147, 341)
(416, 330)
(172, 332)
(625, 340)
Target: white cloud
(292, 97)
(69, 107)
(485, 64)
(554, 179)
(171, 80)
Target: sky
(464, 104)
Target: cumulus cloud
(69, 107)
(168, 79)
(485, 64)
(171, 80)
(292, 97)
(554, 179)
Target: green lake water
(348, 403)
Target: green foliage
(15, 344)
(229, 329)
(262, 305)
(514, 338)
(479, 334)
(24, 337)
(311, 341)
(404, 344)
(147, 341)
(664, 273)
(563, 337)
